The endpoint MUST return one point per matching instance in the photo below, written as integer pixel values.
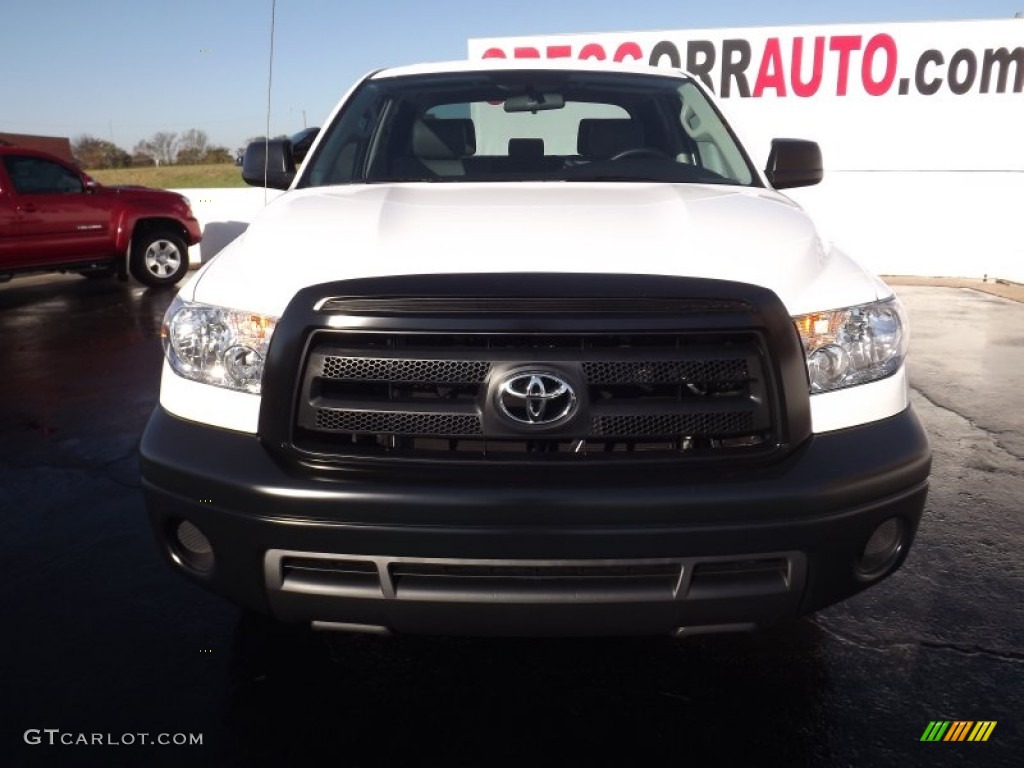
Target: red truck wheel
(159, 257)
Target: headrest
(604, 138)
(448, 139)
(526, 149)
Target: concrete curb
(1003, 288)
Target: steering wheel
(640, 152)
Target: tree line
(192, 147)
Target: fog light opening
(190, 547)
(882, 549)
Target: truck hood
(313, 236)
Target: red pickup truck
(54, 217)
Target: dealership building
(55, 145)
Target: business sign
(909, 96)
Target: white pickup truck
(532, 348)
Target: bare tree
(192, 147)
(165, 146)
(195, 139)
(143, 154)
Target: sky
(123, 70)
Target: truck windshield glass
(533, 125)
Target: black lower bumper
(565, 554)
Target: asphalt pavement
(99, 637)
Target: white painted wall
(928, 224)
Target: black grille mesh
(665, 371)
(389, 369)
(397, 422)
(671, 424)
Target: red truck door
(58, 219)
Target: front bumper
(545, 553)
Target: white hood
(320, 235)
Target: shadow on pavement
(298, 698)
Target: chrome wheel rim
(162, 258)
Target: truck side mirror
(794, 163)
(269, 163)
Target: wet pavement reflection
(101, 637)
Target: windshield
(529, 125)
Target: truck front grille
(432, 395)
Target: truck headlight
(853, 345)
(216, 345)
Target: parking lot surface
(100, 637)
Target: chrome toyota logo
(536, 399)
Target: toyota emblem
(537, 399)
